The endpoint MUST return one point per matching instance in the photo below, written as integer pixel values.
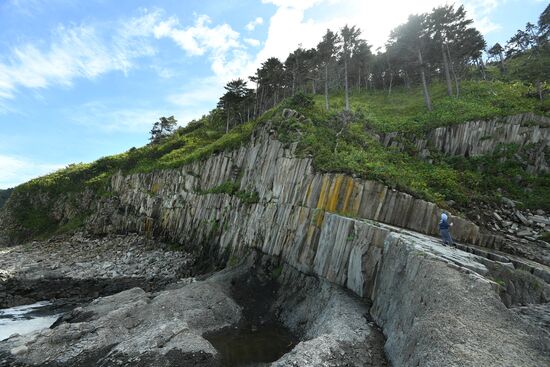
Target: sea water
(26, 319)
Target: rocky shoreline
(168, 325)
(78, 268)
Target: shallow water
(27, 318)
(242, 347)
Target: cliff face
(531, 133)
(331, 225)
(188, 203)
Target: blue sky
(84, 79)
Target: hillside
(350, 143)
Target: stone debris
(78, 266)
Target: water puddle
(27, 318)
(247, 347)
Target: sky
(84, 79)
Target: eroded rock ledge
(436, 305)
(171, 327)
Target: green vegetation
(194, 142)
(276, 272)
(340, 142)
(403, 109)
(4, 196)
(232, 188)
(72, 225)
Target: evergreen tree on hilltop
(327, 50)
(349, 46)
(162, 128)
(411, 40)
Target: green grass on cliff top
(353, 149)
(404, 109)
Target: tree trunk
(482, 68)
(391, 82)
(359, 80)
(326, 86)
(539, 90)
(261, 103)
(227, 124)
(256, 102)
(502, 67)
(450, 61)
(427, 99)
(407, 80)
(446, 69)
(346, 82)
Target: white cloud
(301, 5)
(252, 42)
(480, 11)
(254, 23)
(16, 170)
(221, 45)
(205, 90)
(79, 51)
(199, 38)
(164, 72)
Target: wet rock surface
(133, 328)
(78, 267)
(172, 327)
(334, 326)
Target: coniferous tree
(327, 49)
(349, 42)
(457, 41)
(544, 24)
(497, 50)
(162, 128)
(234, 102)
(410, 40)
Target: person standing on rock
(444, 230)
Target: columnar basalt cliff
(528, 131)
(269, 169)
(287, 193)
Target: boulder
(134, 328)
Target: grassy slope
(404, 109)
(352, 149)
